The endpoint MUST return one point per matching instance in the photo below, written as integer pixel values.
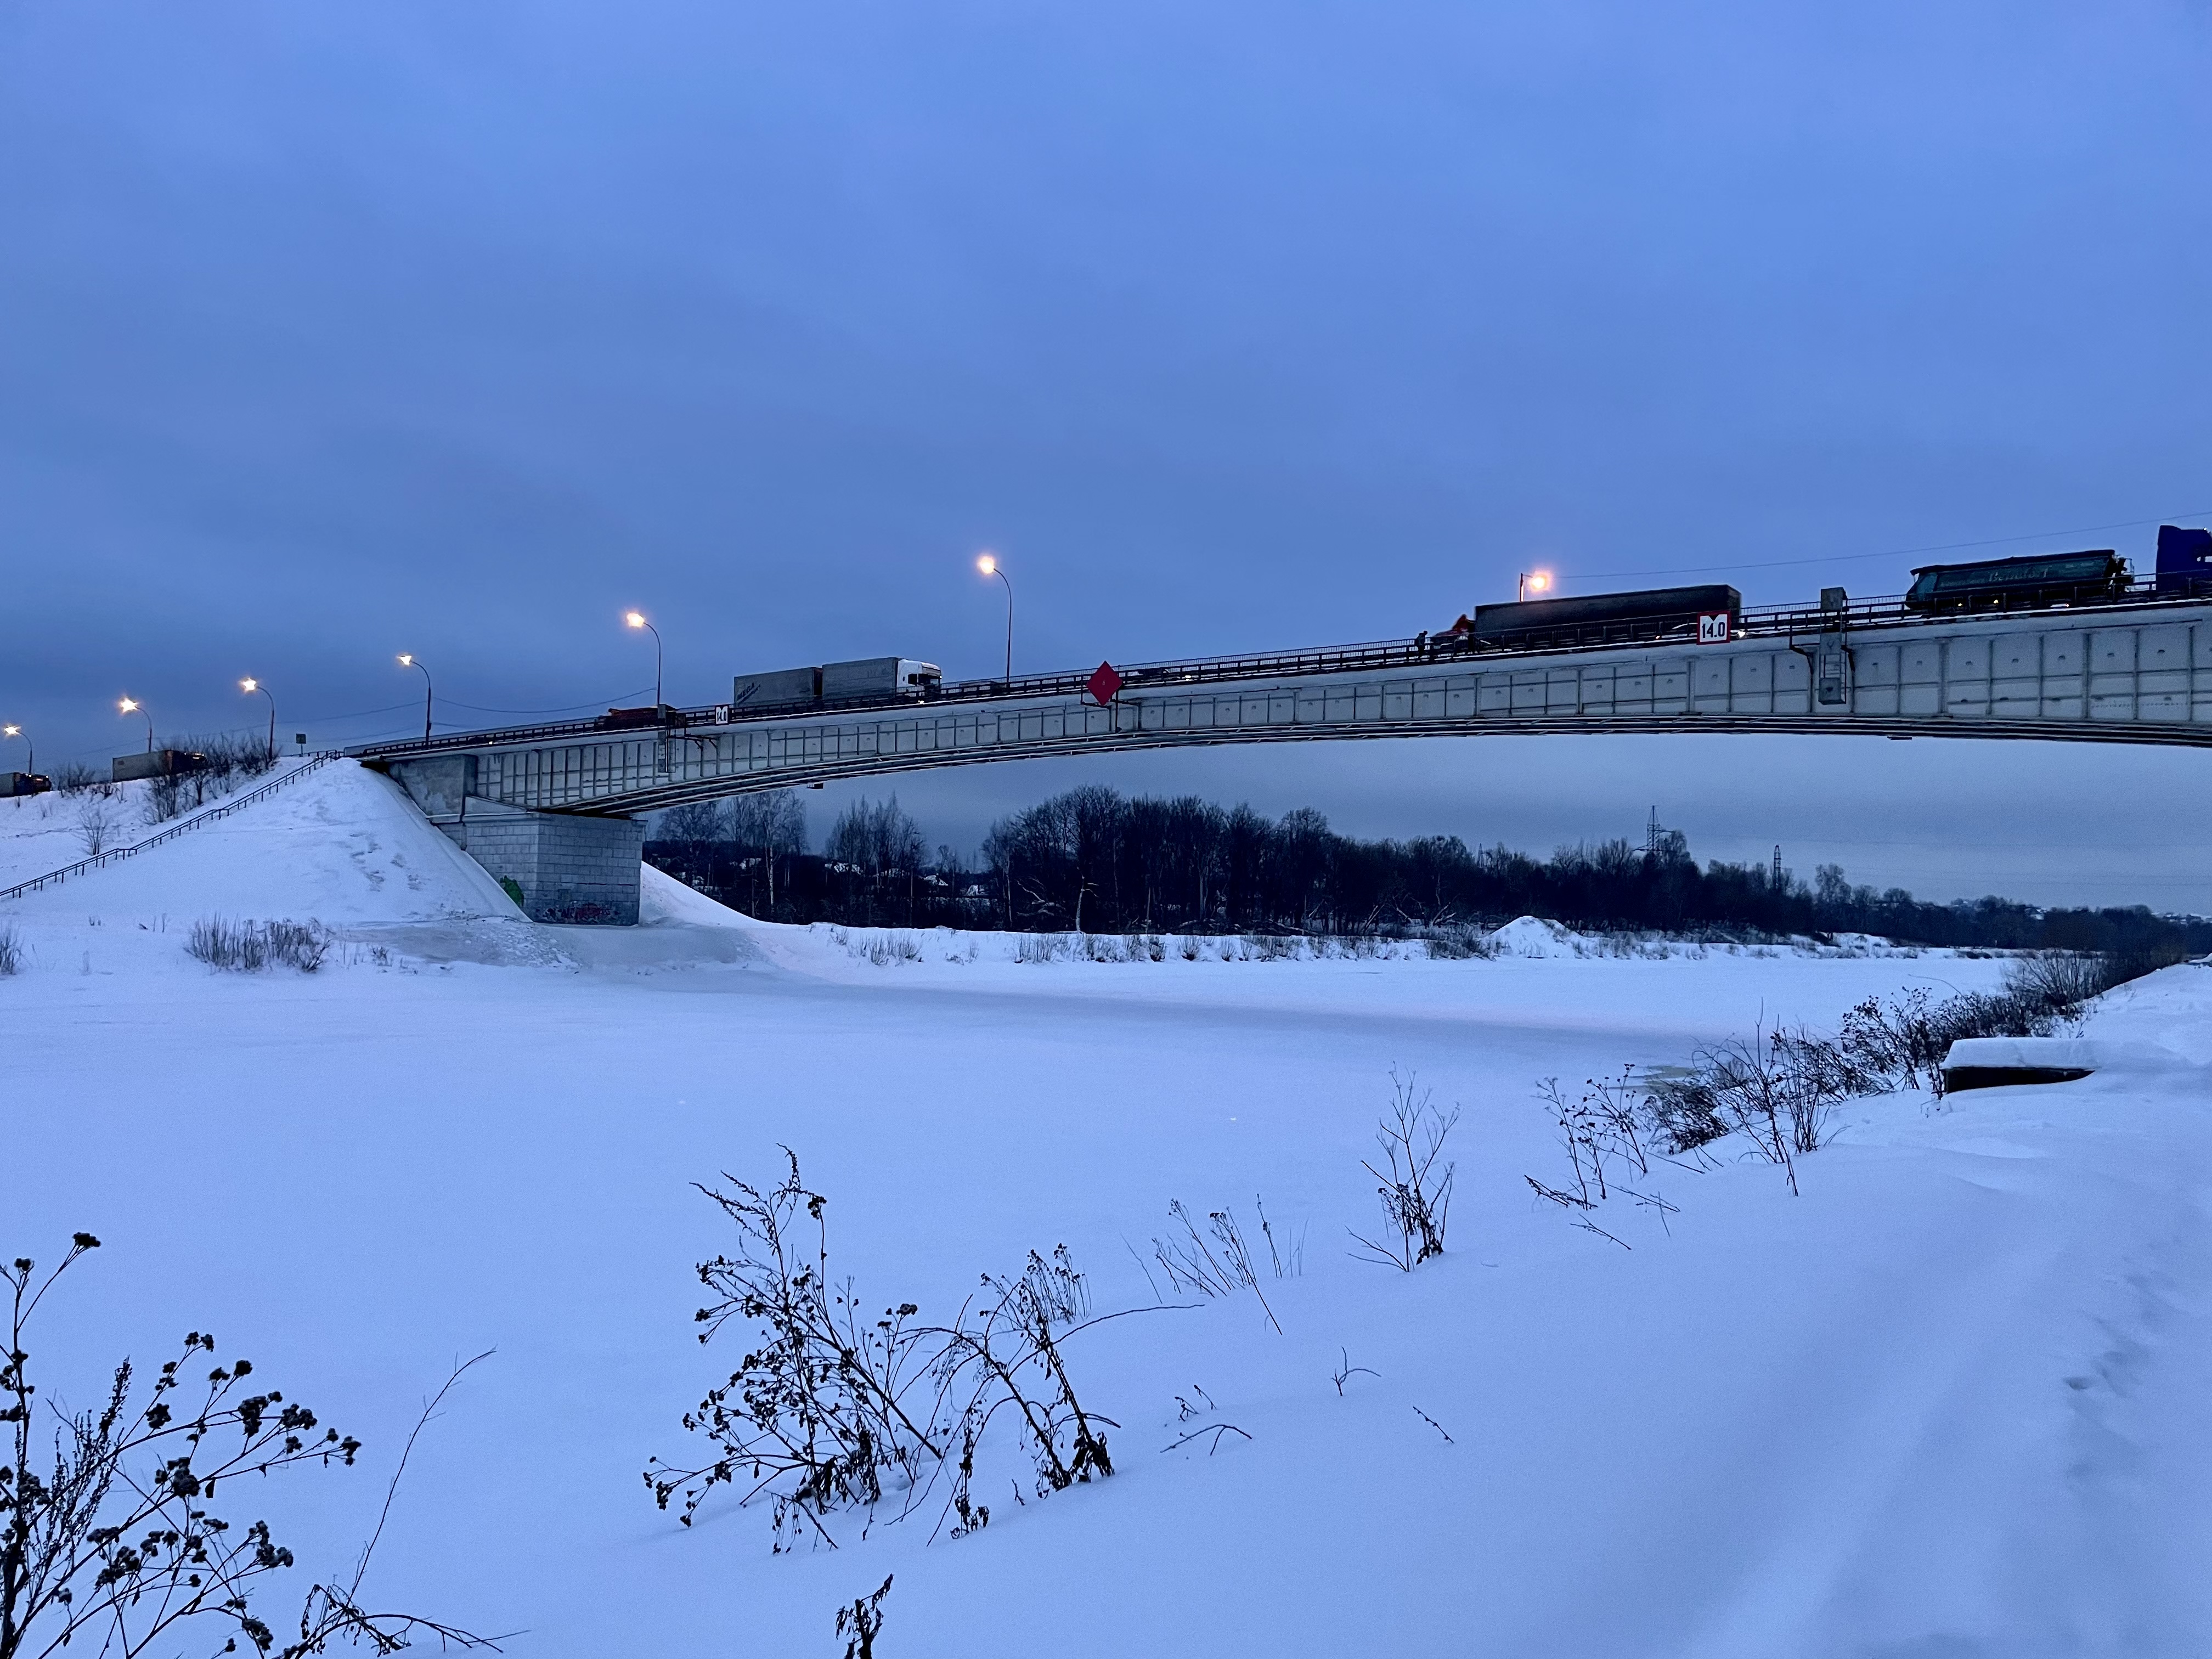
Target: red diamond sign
(1103, 685)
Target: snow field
(1947, 1403)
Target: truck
(1653, 614)
(865, 679)
(2035, 581)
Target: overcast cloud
(335, 331)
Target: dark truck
(2028, 583)
(2184, 563)
(1651, 614)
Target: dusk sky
(330, 331)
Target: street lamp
(30, 753)
(988, 564)
(250, 684)
(132, 706)
(407, 661)
(1534, 582)
(636, 619)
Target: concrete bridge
(552, 809)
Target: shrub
(1610, 1133)
(166, 796)
(1416, 1195)
(96, 824)
(833, 1410)
(11, 950)
(253, 947)
(1779, 1090)
(1901, 1042)
(864, 1617)
(2118, 967)
(117, 1541)
(2056, 981)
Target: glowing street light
(249, 684)
(1535, 581)
(988, 564)
(636, 619)
(31, 754)
(407, 661)
(132, 706)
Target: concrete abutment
(556, 866)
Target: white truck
(867, 679)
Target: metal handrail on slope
(223, 809)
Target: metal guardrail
(221, 810)
(1774, 622)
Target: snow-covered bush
(252, 947)
(2058, 981)
(833, 1410)
(1460, 944)
(11, 950)
(1776, 1092)
(1899, 1043)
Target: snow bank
(1532, 936)
(341, 847)
(1949, 1401)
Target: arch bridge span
(2137, 672)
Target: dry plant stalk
(834, 1410)
(1415, 1194)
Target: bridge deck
(2137, 671)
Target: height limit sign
(1713, 628)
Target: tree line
(1092, 859)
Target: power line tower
(1777, 879)
(1651, 833)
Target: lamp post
(988, 564)
(30, 751)
(636, 619)
(407, 661)
(250, 684)
(132, 706)
(1534, 582)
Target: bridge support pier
(557, 866)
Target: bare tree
(97, 821)
(769, 822)
(696, 820)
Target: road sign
(1713, 628)
(1103, 685)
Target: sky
(331, 332)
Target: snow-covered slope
(342, 846)
(1948, 1402)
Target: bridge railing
(183, 826)
(1773, 622)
